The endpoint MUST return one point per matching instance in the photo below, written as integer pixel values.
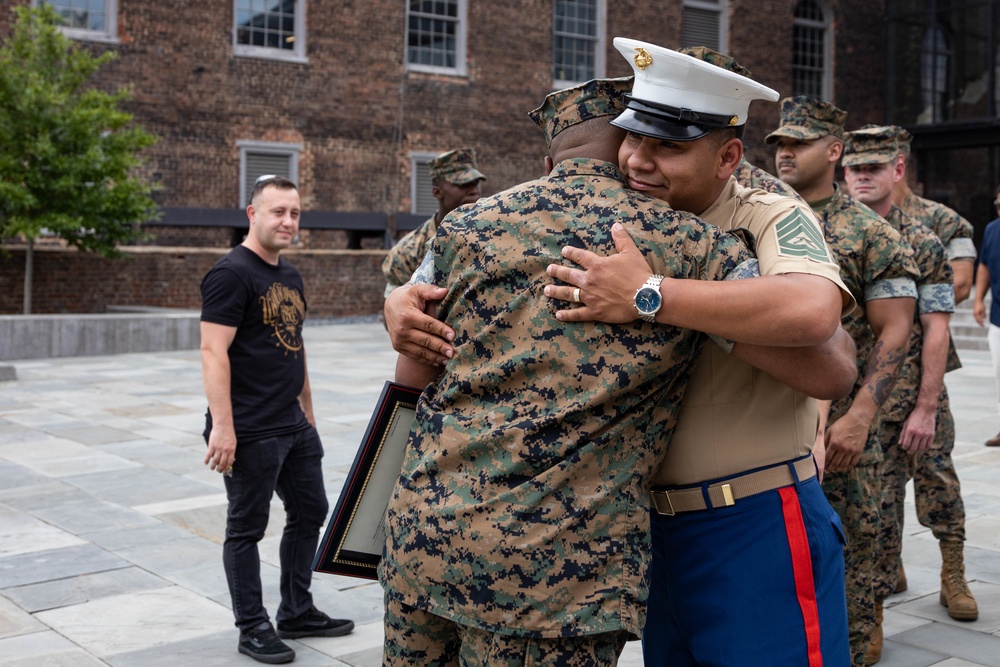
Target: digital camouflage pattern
(404, 257)
(807, 118)
(715, 58)
(457, 166)
(954, 231)
(751, 176)
(870, 145)
(855, 495)
(938, 494)
(936, 294)
(937, 489)
(565, 108)
(875, 263)
(420, 638)
(521, 507)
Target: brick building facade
(358, 116)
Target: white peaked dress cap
(680, 97)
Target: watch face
(647, 300)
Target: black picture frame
(355, 535)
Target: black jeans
(292, 466)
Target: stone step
(965, 331)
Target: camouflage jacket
(404, 257)
(521, 504)
(875, 263)
(954, 231)
(935, 294)
(750, 176)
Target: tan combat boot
(901, 579)
(955, 593)
(874, 652)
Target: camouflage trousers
(937, 493)
(855, 496)
(417, 638)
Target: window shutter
(700, 27)
(424, 201)
(258, 164)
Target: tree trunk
(29, 266)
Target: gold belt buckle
(727, 495)
(670, 505)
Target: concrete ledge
(44, 336)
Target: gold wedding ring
(576, 294)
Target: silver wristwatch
(647, 298)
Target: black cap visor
(658, 127)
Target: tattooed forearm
(882, 370)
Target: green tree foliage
(68, 152)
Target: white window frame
(600, 42)
(296, 54)
(418, 158)
(108, 35)
(288, 150)
(461, 37)
(826, 25)
(721, 7)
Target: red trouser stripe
(805, 589)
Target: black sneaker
(314, 623)
(263, 645)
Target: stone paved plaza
(111, 526)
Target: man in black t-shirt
(260, 406)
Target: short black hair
(271, 181)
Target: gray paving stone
(91, 515)
(44, 649)
(93, 435)
(13, 475)
(958, 642)
(53, 564)
(83, 588)
(140, 486)
(152, 539)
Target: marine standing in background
(877, 266)
(456, 180)
(936, 486)
(872, 164)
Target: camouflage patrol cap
(457, 166)
(593, 99)
(715, 58)
(904, 138)
(807, 118)
(872, 144)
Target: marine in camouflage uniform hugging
(518, 525)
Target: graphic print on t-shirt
(284, 309)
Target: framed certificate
(355, 535)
